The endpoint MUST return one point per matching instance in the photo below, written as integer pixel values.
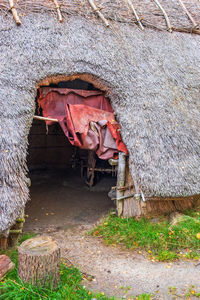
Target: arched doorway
(67, 187)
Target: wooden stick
(58, 10)
(44, 119)
(14, 12)
(127, 187)
(130, 4)
(100, 169)
(124, 197)
(164, 14)
(15, 231)
(187, 13)
(187, 30)
(101, 16)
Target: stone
(176, 218)
(5, 265)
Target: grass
(160, 241)
(69, 288)
(191, 292)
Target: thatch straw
(151, 14)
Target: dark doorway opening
(60, 195)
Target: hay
(148, 11)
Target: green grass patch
(69, 288)
(161, 241)
(144, 297)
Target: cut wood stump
(5, 265)
(38, 261)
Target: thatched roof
(178, 15)
(151, 77)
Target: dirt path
(113, 268)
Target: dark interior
(59, 193)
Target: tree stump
(38, 261)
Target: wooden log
(5, 265)
(38, 261)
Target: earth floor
(63, 207)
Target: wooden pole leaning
(58, 11)
(187, 13)
(101, 16)
(165, 15)
(45, 119)
(14, 12)
(130, 4)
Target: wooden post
(90, 169)
(4, 239)
(38, 261)
(3, 242)
(121, 181)
(16, 231)
(132, 207)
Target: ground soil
(61, 200)
(63, 207)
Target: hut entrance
(69, 169)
